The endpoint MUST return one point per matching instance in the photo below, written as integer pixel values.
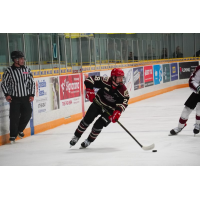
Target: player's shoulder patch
(105, 78)
(123, 91)
(126, 94)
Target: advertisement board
(193, 66)
(40, 103)
(128, 81)
(148, 75)
(186, 69)
(158, 77)
(4, 113)
(54, 93)
(69, 86)
(46, 94)
(138, 78)
(166, 73)
(174, 71)
(70, 89)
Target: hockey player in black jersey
(113, 95)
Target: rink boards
(60, 99)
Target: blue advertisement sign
(157, 71)
(174, 71)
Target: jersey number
(125, 101)
(97, 78)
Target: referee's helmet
(16, 54)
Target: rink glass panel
(45, 50)
(4, 58)
(31, 50)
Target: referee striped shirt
(18, 82)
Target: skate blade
(172, 134)
(82, 147)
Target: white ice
(149, 121)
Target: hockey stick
(146, 148)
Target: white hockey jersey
(194, 80)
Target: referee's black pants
(20, 114)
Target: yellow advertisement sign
(77, 35)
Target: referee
(19, 89)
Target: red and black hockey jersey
(114, 99)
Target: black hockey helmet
(16, 54)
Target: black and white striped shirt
(18, 82)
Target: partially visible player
(113, 95)
(192, 102)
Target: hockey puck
(154, 151)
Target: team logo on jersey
(126, 94)
(109, 97)
(106, 89)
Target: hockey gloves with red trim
(90, 94)
(115, 116)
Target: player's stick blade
(148, 147)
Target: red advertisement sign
(148, 75)
(69, 86)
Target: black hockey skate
(85, 144)
(73, 141)
(21, 135)
(196, 129)
(176, 130)
(12, 140)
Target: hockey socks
(94, 133)
(184, 117)
(81, 128)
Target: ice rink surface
(149, 121)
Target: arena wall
(60, 99)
